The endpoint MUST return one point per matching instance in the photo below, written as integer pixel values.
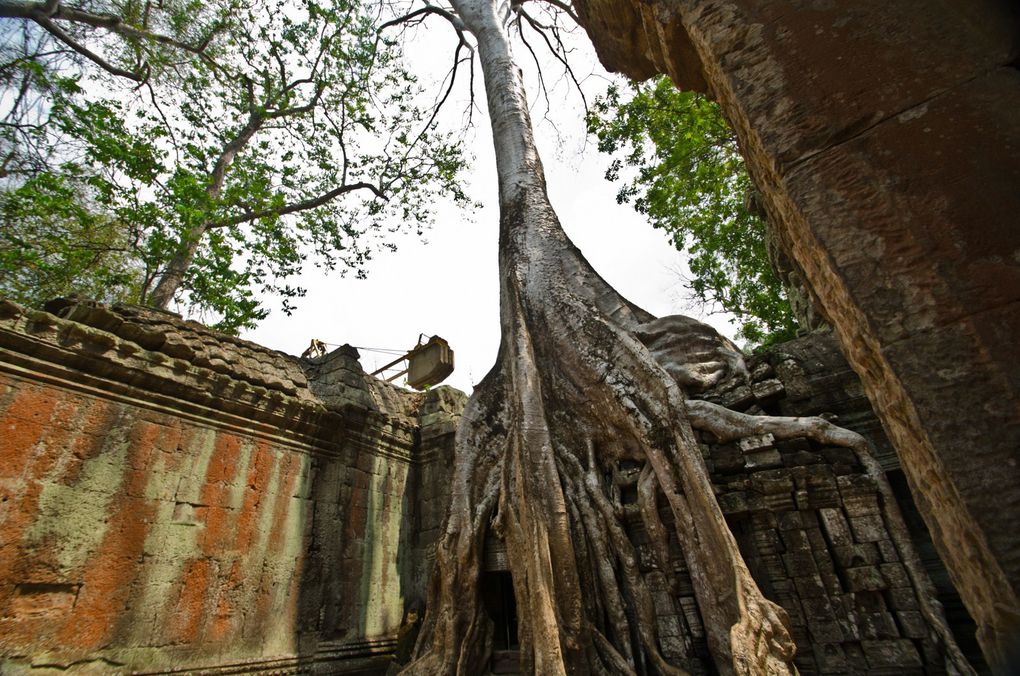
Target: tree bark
(575, 391)
(173, 276)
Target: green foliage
(691, 182)
(268, 134)
(51, 245)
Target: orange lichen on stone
(26, 601)
(108, 577)
(215, 493)
(20, 506)
(288, 485)
(25, 422)
(148, 524)
(189, 610)
(222, 621)
(92, 426)
(259, 472)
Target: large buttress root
(574, 392)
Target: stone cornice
(40, 346)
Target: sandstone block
(912, 624)
(864, 578)
(837, 529)
(888, 551)
(833, 585)
(878, 625)
(733, 503)
(835, 455)
(799, 458)
(831, 658)
(868, 528)
(780, 502)
(891, 653)
(738, 398)
(818, 609)
(764, 459)
(903, 598)
(800, 562)
(809, 586)
(761, 371)
(825, 632)
(855, 555)
(756, 443)
(895, 575)
(767, 390)
(788, 521)
(773, 482)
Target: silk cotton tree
(584, 380)
(575, 389)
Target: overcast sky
(449, 287)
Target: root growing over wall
(584, 380)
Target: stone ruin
(174, 499)
(177, 500)
(157, 514)
(882, 140)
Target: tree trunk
(173, 276)
(574, 392)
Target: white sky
(449, 286)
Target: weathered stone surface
(162, 511)
(180, 528)
(815, 538)
(899, 653)
(883, 139)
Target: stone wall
(172, 499)
(883, 139)
(818, 532)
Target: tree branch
(728, 425)
(56, 11)
(56, 32)
(565, 8)
(230, 150)
(559, 51)
(47, 13)
(304, 205)
(416, 17)
(422, 13)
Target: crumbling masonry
(172, 499)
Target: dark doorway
(500, 604)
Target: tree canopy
(204, 151)
(690, 180)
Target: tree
(51, 246)
(691, 182)
(585, 380)
(577, 388)
(245, 123)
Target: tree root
(729, 425)
(575, 391)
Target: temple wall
(161, 515)
(883, 139)
(820, 535)
(175, 500)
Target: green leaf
(689, 179)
